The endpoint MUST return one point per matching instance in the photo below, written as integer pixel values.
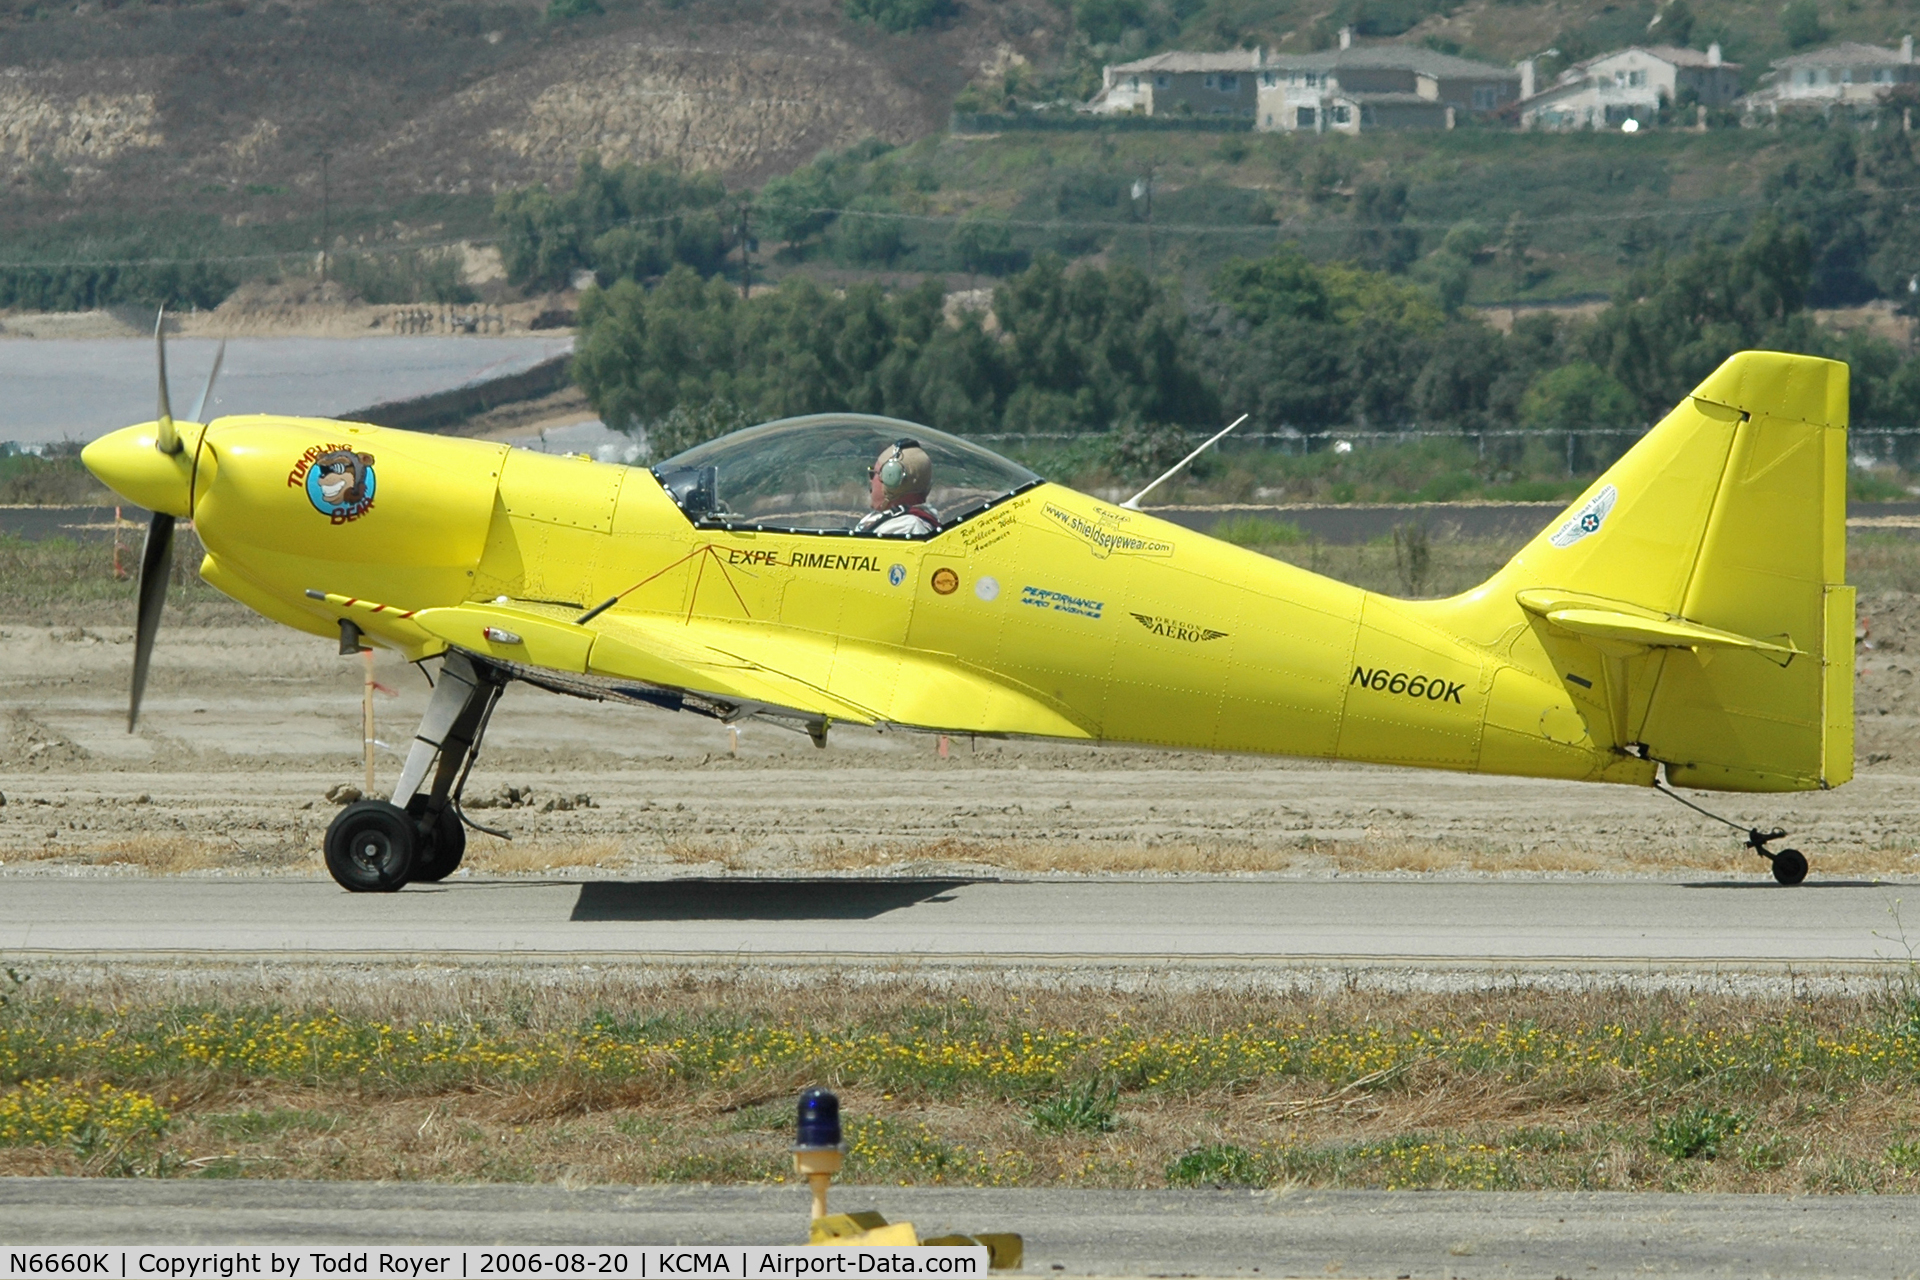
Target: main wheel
(1789, 866)
(437, 854)
(370, 847)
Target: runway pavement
(1597, 1235)
(79, 388)
(1742, 921)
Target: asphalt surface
(1740, 920)
(78, 388)
(1193, 1233)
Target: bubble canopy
(812, 474)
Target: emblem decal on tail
(1588, 519)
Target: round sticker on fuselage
(340, 484)
(987, 588)
(896, 574)
(945, 581)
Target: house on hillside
(1845, 74)
(1199, 84)
(1629, 84)
(1381, 86)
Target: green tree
(1108, 21)
(1800, 24)
(799, 206)
(869, 233)
(1678, 319)
(1281, 286)
(899, 15)
(1086, 350)
(1578, 396)
(1089, 350)
(1379, 240)
(628, 222)
(984, 246)
(1676, 24)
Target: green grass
(62, 579)
(1083, 1108)
(1517, 1090)
(59, 481)
(1258, 531)
(1697, 1133)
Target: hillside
(140, 127)
(232, 133)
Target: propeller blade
(206, 392)
(167, 440)
(156, 566)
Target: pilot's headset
(898, 470)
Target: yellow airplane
(1687, 614)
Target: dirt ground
(248, 727)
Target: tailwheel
(370, 847)
(439, 848)
(1789, 866)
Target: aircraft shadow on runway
(824, 899)
(1768, 884)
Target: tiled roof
(1233, 60)
(1847, 53)
(1666, 53)
(1549, 96)
(1391, 99)
(1390, 57)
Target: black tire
(370, 847)
(436, 854)
(1789, 866)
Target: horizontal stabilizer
(1609, 620)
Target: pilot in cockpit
(900, 479)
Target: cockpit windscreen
(839, 473)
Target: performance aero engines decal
(1588, 519)
(339, 481)
(1061, 602)
(1103, 535)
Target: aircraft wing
(803, 673)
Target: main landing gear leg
(375, 846)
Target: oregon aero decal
(1173, 630)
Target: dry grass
(162, 854)
(1444, 1116)
(492, 856)
(1384, 854)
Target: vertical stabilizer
(1692, 602)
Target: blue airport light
(818, 1125)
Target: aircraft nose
(129, 462)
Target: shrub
(1086, 1109)
(1258, 531)
(1220, 1165)
(1696, 1132)
(899, 15)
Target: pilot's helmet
(905, 470)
